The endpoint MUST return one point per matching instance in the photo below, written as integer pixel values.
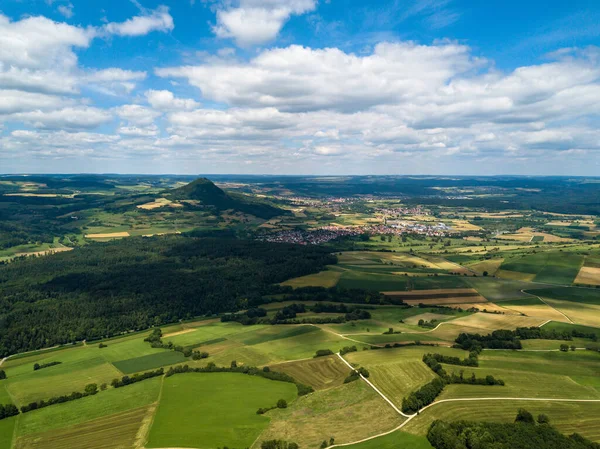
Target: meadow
(214, 409)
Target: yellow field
(580, 313)
(473, 239)
(588, 276)
(159, 202)
(491, 322)
(527, 234)
(491, 266)
(107, 236)
(45, 252)
(319, 373)
(464, 225)
(541, 311)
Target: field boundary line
(552, 307)
(344, 337)
(144, 442)
(375, 388)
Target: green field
(103, 404)
(388, 282)
(395, 440)
(214, 409)
(551, 267)
(580, 295)
(148, 362)
(7, 427)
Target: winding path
(552, 307)
(411, 417)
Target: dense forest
(104, 289)
(524, 433)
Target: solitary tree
(523, 416)
(543, 419)
(282, 403)
(2, 374)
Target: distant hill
(207, 193)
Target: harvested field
(586, 314)
(491, 266)
(159, 202)
(174, 334)
(538, 309)
(111, 235)
(588, 276)
(111, 432)
(349, 413)
(583, 418)
(45, 252)
(464, 225)
(491, 322)
(319, 373)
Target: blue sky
(300, 86)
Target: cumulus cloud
(113, 81)
(136, 114)
(149, 21)
(14, 101)
(298, 78)
(38, 42)
(67, 118)
(164, 100)
(255, 22)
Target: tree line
(248, 370)
(523, 433)
(429, 392)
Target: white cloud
(164, 100)
(136, 114)
(157, 20)
(298, 78)
(147, 131)
(38, 42)
(14, 101)
(66, 118)
(255, 22)
(114, 81)
(66, 10)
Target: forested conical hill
(206, 192)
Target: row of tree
(522, 434)
(90, 390)
(37, 366)
(248, 370)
